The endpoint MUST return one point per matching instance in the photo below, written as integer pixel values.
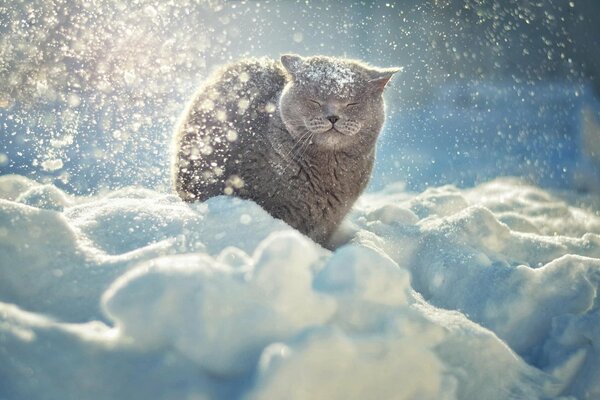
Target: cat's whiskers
(307, 144)
(298, 142)
(295, 147)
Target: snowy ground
(482, 293)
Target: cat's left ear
(380, 77)
(292, 63)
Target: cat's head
(333, 103)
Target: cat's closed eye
(314, 102)
(351, 104)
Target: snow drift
(483, 293)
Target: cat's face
(332, 103)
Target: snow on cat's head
(333, 102)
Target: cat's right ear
(292, 63)
(381, 76)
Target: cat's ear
(292, 63)
(380, 77)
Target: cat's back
(242, 86)
(222, 120)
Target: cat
(297, 136)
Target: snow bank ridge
(450, 294)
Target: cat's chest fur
(313, 193)
(309, 189)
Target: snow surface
(482, 293)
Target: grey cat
(296, 136)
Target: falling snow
(451, 280)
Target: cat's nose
(333, 118)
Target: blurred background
(90, 90)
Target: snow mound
(489, 292)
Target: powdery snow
(334, 75)
(483, 293)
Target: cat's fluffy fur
(263, 130)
